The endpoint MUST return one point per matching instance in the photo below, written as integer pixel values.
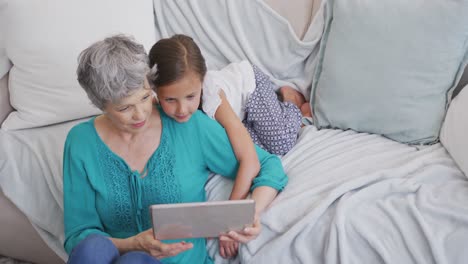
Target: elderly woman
(136, 154)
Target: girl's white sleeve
(210, 99)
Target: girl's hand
(228, 249)
(146, 242)
(244, 236)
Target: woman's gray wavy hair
(112, 69)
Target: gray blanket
(360, 198)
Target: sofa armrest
(462, 83)
(19, 239)
(453, 134)
(5, 106)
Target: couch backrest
(298, 14)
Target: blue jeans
(100, 249)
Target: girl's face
(180, 100)
(131, 114)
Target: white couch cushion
(43, 39)
(454, 134)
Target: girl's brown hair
(171, 58)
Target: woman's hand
(246, 235)
(146, 242)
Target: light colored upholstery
(18, 239)
(5, 107)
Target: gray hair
(112, 69)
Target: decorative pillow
(388, 66)
(454, 134)
(43, 39)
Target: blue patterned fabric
(272, 124)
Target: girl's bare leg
(289, 94)
(272, 124)
(305, 110)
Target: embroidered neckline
(155, 152)
(130, 206)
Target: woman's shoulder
(81, 131)
(198, 121)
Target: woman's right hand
(146, 242)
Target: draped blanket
(360, 198)
(230, 31)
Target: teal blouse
(103, 195)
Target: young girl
(238, 92)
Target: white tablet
(203, 219)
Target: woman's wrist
(134, 244)
(126, 244)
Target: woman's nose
(138, 114)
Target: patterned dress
(272, 124)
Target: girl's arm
(219, 157)
(243, 147)
(263, 196)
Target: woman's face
(131, 113)
(180, 100)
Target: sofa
(380, 175)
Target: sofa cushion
(454, 134)
(43, 39)
(388, 66)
